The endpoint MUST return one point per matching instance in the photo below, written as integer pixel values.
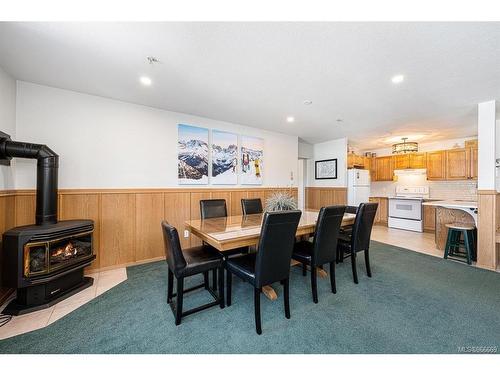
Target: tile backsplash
(462, 190)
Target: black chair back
(173, 250)
(327, 234)
(351, 209)
(251, 206)
(362, 228)
(276, 242)
(210, 208)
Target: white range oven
(405, 208)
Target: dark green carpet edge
(414, 303)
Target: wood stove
(45, 261)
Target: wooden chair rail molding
(127, 221)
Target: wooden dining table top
(231, 232)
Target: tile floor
(103, 281)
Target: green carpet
(414, 303)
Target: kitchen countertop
(452, 204)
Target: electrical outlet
(186, 234)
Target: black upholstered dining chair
(190, 262)
(323, 248)
(210, 208)
(348, 228)
(271, 263)
(359, 239)
(251, 206)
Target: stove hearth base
(39, 297)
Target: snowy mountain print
(192, 155)
(224, 158)
(251, 159)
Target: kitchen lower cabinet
(382, 211)
(429, 219)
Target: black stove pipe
(46, 176)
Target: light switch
(186, 234)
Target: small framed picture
(325, 169)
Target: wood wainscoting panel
(317, 197)
(236, 197)
(7, 221)
(127, 221)
(25, 209)
(83, 206)
(149, 212)
(177, 212)
(196, 197)
(486, 227)
(226, 195)
(117, 229)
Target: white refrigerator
(358, 186)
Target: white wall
(497, 155)
(334, 149)
(486, 125)
(105, 143)
(7, 123)
(306, 150)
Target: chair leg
(205, 280)
(353, 265)
(314, 283)
(170, 286)
(304, 269)
(286, 297)
(367, 263)
(229, 281)
(214, 279)
(221, 286)
(468, 247)
(332, 277)
(448, 244)
(258, 326)
(180, 295)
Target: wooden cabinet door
(358, 161)
(429, 218)
(383, 210)
(384, 168)
(401, 161)
(436, 165)
(367, 163)
(350, 160)
(373, 169)
(456, 164)
(377, 215)
(472, 162)
(418, 160)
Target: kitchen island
(452, 211)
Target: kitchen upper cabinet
(472, 162)
(418, 160)
(436, 165)
(457, 166)
(410, 161)
(384, 168)
(355, 161)
(401, 161)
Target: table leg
(321, 272)
(269, 292)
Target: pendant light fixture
(404, 147)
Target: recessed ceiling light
(339, 120)
(308, 102)
(398, 78)
(290, 119)
(146, 81)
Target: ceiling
(257, 74)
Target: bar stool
(454, 242)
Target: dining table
(233, 232)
